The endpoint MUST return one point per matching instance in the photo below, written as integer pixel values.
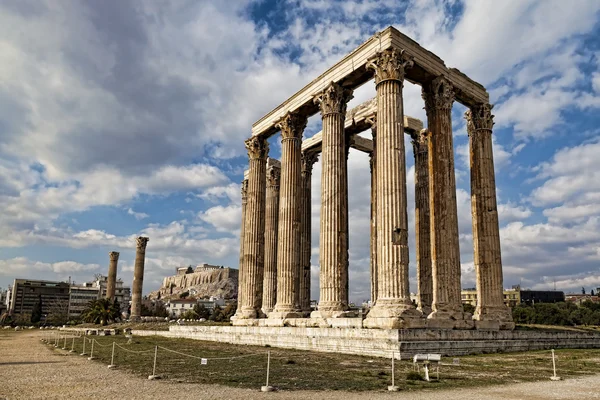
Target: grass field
(245, 366)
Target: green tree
(201, 311)
(468, 308)
(217, 314)
(229, 311)
(101, 311)
(36, 313)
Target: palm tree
(101, 311)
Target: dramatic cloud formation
(122, 118)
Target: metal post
(65, 344)
(73, 346)
(393, 388)
(112, 357)
(554, 377)
(91, 357)
(83, 352)
(153, 376)
(267, 388)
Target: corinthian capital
(257, 147)
(334, 99)
(420, 141)
(438, 95)
(308, 160)
(113, 255)
(141, 243)
(273, 177)
(479, 117)
(292, 126)
(390, 65)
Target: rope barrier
(208, 358)
(101, 345)
(133, 351)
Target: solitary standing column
(373, 243)
(445, 253)
(422, 215)
(333, 254)
(271, 227)
(491, 312)
(138, 278)
(244, 191)
(252, 268)
(112, 275)
(308, 159)
(288, 252)
(393, 308)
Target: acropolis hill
(203, 281)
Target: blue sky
(126, 118)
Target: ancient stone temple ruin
(274, 286)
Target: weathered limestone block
(244, 194)
(112, 275)
(288, 253)
(373, 241)
(252, 268)
(393, 308)
(447, 306)
(484, 213)
(138, 278)
(333, 255)
(271, 228)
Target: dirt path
(30, 370)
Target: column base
(326, 314)
(499, 315)
(235, 321)
(388, 314)
(450, 319)
(284, 314)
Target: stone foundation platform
(382, 342)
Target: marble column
(308, 160)
(422, 215)
(333, 254)
(111, 283)
(393, 308)
(271, 227)
(252, 269)
(288, 252)
(138, 278)
(373, 241)
(447, 311)
(244, 192)
(491, 312)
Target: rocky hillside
(221, 282)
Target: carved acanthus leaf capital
(479, 117)
(420, 141)
(113, 256)
(292, 126)
(334, 99)
(390, 65)
(141, 243)
(439, 95)
(257, 147)
(308, 160)
(273, 177)
(244, 189)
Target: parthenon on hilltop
(275, 245)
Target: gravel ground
(31, 370)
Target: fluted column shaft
(288, 252)
(484, 212)
(250, 296)
(271, 228)
(111, 283)
(445, 253)
(393, 308)
(244, 193)
(333, 255)
(138, 277)
(422, 228)
(308, 159)
(373, 241)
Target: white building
(180, 306)
(122, 293)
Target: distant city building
(79, 298)
(516, 295)
(3, 301)
(25, 293)
(579, 298)
(180, 306)
(122, 292)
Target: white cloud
(137, 215)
